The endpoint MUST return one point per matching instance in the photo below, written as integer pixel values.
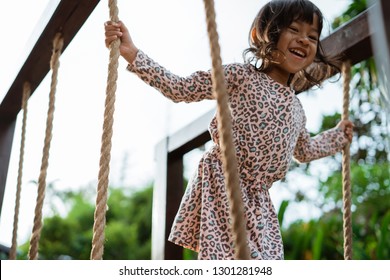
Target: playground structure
(354, 40)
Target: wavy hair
(272, 19)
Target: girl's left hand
(346, 126)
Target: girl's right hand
(346, 126)
(115, 30)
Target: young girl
(268, 125)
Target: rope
(58, 43)
(105, 152)
(347, 221)
(226, 140)
(26, 95)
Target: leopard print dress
(268, 125)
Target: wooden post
(167, 193)
(7, 130)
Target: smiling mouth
(298, 53)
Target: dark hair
(271, 20)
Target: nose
(304, 40)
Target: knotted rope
(26, 95)
(347, 213)
(105, 152)
(58, 44)
(226, 140)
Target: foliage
(322, 238)
(354, 8)
(127, 232)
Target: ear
(253, 34)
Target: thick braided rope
(347, 213)
(226, 139)
(26, 95)
(58, 44)
(105, 152)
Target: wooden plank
(192, 136)
(352, 41)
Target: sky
(172, 32)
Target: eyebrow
(301, 22)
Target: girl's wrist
(130, 55)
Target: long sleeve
(324, 144)
(195, 87)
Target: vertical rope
(58, 44)
(347, 213)
(105, 152)
(26, 95)
(226, 142)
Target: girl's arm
(196, 87)
(325, 144)
(193, 88)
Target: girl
(285, 57)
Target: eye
(313, 38)
(294, 29)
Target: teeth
(298, 52)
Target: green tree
(127, 232)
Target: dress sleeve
(196, 87)
(324, 144)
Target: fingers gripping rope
(226, 143)
(105, 152)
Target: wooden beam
(352, 41)
(194, 135)
(167, 193)
(174, 195)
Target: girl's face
(298, 44)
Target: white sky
(172, 32)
